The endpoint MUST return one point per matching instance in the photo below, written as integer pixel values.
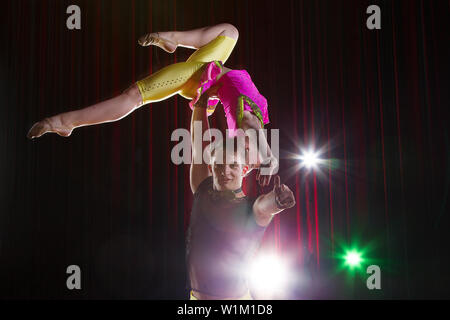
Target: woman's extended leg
(158, 86)
(194, 39)
(105, 111)
(177, 78)
(213, 43)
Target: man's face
(227, 176)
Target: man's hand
(269, 204)
(210, 93)
(266, 171)
(284, 198)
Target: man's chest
(224, 216)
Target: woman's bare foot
(48, 125)
(156, 40)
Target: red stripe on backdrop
(436, 60)
(167, 104)
(97, 52)
(400, 151)
(344, 138)
(305, 126)
(355, 169)
(187, 185)
(14, 44)
(295, 105)
(42, 48)
(412, 61)
(97, 145)
(251, 57)
(168, 113)
(437, 68)
(314, 142)
(311, 142)
(42, 78)
(380, 102)
(330, 188)
(427, 90)
(71, 98)
(370, 131)
(4, 137)
(364, 131)
(133, 114)
(397, 103)
(87, 156)
(175, 105)
(354, 119)
(316, 216)
(116, 139)
(42, 51)
(132, 207)
(133, 42)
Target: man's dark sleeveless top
(221, 240)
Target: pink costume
(237, 93)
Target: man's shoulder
(205, 185)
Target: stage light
(268, 275)
(353, 259)
(310, 159)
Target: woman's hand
(212, 92)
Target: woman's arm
(267, 163)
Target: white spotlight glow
(310, 159)
(268, 275)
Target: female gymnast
(244, 106)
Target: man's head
(228, 165)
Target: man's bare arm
(269, 204)
(198, 172)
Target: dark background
(109, 199)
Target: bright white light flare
(268, 274)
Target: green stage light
(353, 259)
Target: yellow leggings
(183, 78)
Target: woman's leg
(158, 86)
(194, 39)
(106, 111)
(217, 43)
(177, 78)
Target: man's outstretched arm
(199, 120)
(269, 204)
